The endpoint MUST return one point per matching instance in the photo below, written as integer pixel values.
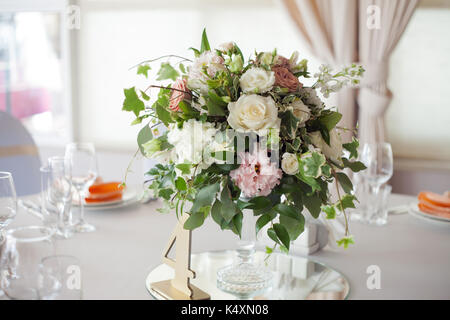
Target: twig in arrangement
(129, 166)
(162, 57)
(162, 87)
(340, 200)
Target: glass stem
(80, 197)
(247, 242)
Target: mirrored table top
(295, 278)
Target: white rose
(196, 76)
(257, 80)
(191, 143)
(300, 111)
(289, 163)
(253, 112)
(334, 152)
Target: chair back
(19, 155)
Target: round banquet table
(412, 254)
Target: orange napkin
(434, 204)
(107, 191)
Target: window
(418, 118)
(116, 35)
(34, 69)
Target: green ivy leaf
(352, 147)
(294, 227)
(229, 208)
(165, 193)
(345, 182)
(205, 43)
(214, 109)
(180, 184)
(258, 203)
(330, 211)
(288, 211)
(236, 226)
(185, 168)
(330, 119)
(163, 115)
(144, 135)
(269, 250)
(263, 220)
(282, 234)
(346, 202)
(205, 196)
(144, 96)
(311, 165)
(289, 124)
(312, 203)
(345, 242)
(143, 69)
(132, 101)
(354, 166)
(167, 72)
(272, 235)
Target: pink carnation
(256, 176)
(182, 92)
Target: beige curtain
(337, 33)
(375, 48)
(329, 29)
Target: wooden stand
(179, 288)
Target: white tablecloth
(413, 255)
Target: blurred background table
(127, 245)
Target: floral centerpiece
(245, 134)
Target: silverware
(32, 208)
(398, 210)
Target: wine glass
(8, 209)
(84, 172)
(378, 159)
(8, 201)
(56, 195)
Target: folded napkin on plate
(435, 204)
(105, 191)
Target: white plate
(129, 196)
(414, 210)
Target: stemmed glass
(378, 159)
(8, 201)
(84, 172)
(8, 209)
(59, 192)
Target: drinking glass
(379, 216)
(59, 193)
(8, 201)
(84, 172)
(56, 196)
(63, 270)
(378, 159)
(26, 246)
